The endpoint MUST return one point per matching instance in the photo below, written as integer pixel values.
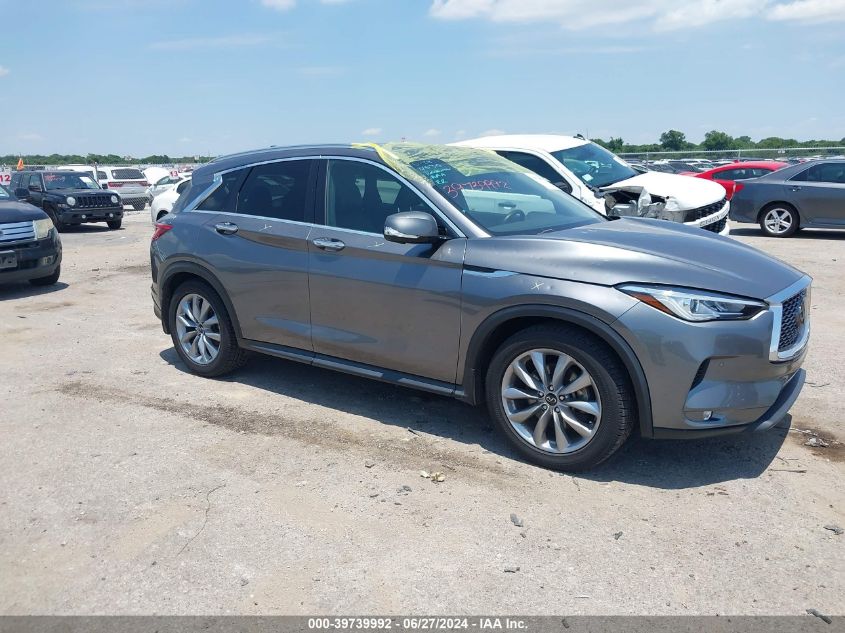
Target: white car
(607, 183)
(163, 203)
(129, 182)
(167, 183)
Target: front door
(394, 306)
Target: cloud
(432, 132)
(663, 15)
(4, 71)
(237, 40)
(371, 131)
(809, 11)
(492, 132)
(30, 136)
(279, 5)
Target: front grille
(702, 212)
(793, 320)
(16, 232)
(716, 227)
(96, 201)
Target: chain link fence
(786, 154)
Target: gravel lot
(130, 486)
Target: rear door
(819, 193)
(393, 306)
(259, 219)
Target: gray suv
(456, 271)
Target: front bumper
(716, 222)
(35, 259)
(714, 377)
(73, 215)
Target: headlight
(114, 199)
(42, 228)
(70, 201)
(695, 305)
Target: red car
(728, 175)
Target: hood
(688, 193)
(16, 211)
(79, 192)
(638, 250)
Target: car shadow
(25, 289)
(85, 228)
(662, 464)
(803, 234)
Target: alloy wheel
(778, 221)
(198, 329)
(551, 401)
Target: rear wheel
(115, 224)
(49, 280)
(560, 396)
(202, 331)
(139, 206)
(779, 220)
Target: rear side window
(824, 172)
(101, 175)
(182, 186)
(14, 184)
(277, 190)
(223, 198)
(127, 174)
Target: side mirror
(21, 193)
(411, 227)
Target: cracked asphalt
(130, 486)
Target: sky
(184, 77)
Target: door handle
(226, 228)
(328, 244)
(794, 188)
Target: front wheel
(779, 220)
(115, 224)
(561, 397)
(202, 331)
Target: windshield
(594, 165)
(69, 181)
(498, 195)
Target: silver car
(807, 195)
(456, 271)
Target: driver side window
(539, 167)
(360, 196)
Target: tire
(49, 280)
(779, 220)
(115, 224)
(610, 391)
(229, 356)
(51, 213)
(139, 206)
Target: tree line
(714, 140)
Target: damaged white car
(611, 186)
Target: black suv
(30, 249)
(68, 197)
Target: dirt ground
(132, 487)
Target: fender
(197, 270)
(472, 378)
